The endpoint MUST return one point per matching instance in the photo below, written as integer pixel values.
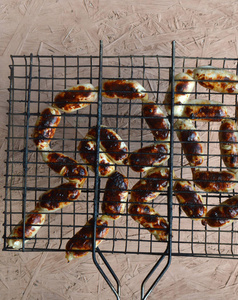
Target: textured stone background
(71, 27)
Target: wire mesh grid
(34, 82)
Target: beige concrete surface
(71, 27)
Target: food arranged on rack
(124, 89)
(183, 87)
(50, 201)
(150, 159)
(219, 80)
(113, 205)
(156, 154)
(65, 166)
(204, 110)
(214, 181)
(150, 156)
(82, 242)
(190, 141)
(228, 140)
(191, 202)
(145, 190)
(45, 127)
(222, 214)
(156, 120)
(112, 150)
(76, 98)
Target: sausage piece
(149, 157)
(45, 127)
(110, 143)
(76, 97)
(214, 181)
(191, 202)
(65, 166)
(115, 195)
(222, 214)
(205, 110)
(58, 197)
(228, 138)
(190, 141)
(52, 200)
(146, 216)
(87, 151)
(33, 222)
(216, 79)
(183, 86)
(82, 242)
(124, 89)
(156, 120)
(150, 186)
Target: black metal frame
(46, 75)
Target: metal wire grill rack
(34, 81)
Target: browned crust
(214, 181)
(74, 98)
(32, 220)
(150, 186)
(121, 89)
(114, 147)
(67, 167)
(190, 73)
(222, 214)
(82, 242)
(115, 195)
(45, 127)
(152, 221)
(192, 148)
(156, 121)
(87, 151)
(190, 201)
(148, 157)
(229, 143)
(225, 83)
(59, 197)
(181, 88)
(205, 113)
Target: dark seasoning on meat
(133, 168)
(141, 160)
